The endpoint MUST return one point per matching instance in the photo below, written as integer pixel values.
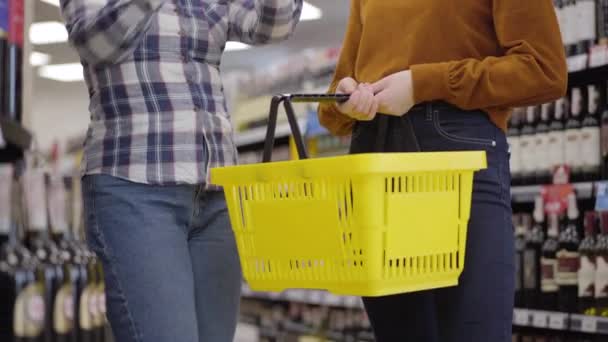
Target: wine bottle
(22, 304)
(535, 237)
(568, 259)
(39, 241)
(588, 27)
(522, 224)
(541, 142)
(590, 136)
(549, 288)
(586, 272)
(601, 274)
(513, 137)
(557, 136)
(527, 144)
(573, 135)
(3, 49)
(13, 78)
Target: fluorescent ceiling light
(70, 72)
(48, 32)
(310, 12)
(52, 2)
(39, 59)
(236, 46)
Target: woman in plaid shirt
(158, 123)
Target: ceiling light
(52, 2)
(70, 72)
(236, 46)
(48, 32)
(310, 12)
(39, 58)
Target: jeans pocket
(473, 131)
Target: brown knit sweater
(474, 54)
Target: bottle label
(99, 314)
(567, 268)
(63, 312)
(86, 304)
(34, 190)
(573, 148)
(541, 142)
(586, 277)
(586, 26)
(15, 22)
(530, 269)
(528, 155)
(28, 314)
(518, 280)
(549, 270)
(590, 143)
(3, 18)
(556, 148)
(6, 183)
(604, 138)
(514, 146)
(601, 277)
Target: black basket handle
(287, 101)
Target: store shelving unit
(526, 194)
(560, 321)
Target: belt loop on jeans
(429, 111)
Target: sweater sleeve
(329, 115)
(531, 71)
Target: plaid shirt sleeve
(263, 21)
(106, 31)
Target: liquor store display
(51, 284)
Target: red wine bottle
(535, 237)
(513, 137)
(557, 136)
(527, 145)
(586, 272)
(549, 288)
(3, 50)
(541, 138)
(573, 135)
(601, 274)
(13, 78)
(522, 224)
(591, 159)
(568, 259)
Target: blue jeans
(171, 266)
(480, 308)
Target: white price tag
(333, 300)
(540, 319)
(597, 56)
(521, 317)
(557, 321)
(589, 324)
(315, 297)
(351, 302)
(577, 63)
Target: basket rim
(351, 165)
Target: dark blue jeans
(171, 266)
(480, 308)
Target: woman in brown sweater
(451, 71)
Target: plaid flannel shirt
(158, 112)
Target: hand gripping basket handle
(287, 101)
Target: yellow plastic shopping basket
(367, 225)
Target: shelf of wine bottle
(522, 194)
(560, 321)
(306, 297)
